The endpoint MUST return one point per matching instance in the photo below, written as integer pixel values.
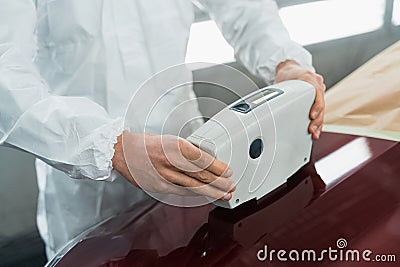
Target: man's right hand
(170, 164)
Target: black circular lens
(256, 148)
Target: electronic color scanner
(263, 137)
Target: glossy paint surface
(349, 191)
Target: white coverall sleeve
(255, 31)
(72, 134)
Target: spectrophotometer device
(263, 137)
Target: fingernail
(315, 128)
(227, 196)
(228, 172)
(318, 133)
(315, 114)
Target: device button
(242, 107)
(208, 146)
(256, 148)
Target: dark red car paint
(360, 205)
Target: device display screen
(263, 95)
(253, 101)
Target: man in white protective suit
(68, 69)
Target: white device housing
(263, 137)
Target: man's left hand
(291, 70)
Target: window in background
(396, 13)
(308, 23)
(328, 20)
(206, 44)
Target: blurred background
(340, 34)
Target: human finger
(208, 177)
(204, 160)
(198, 187)
(316, 126)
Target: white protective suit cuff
(103, 152)
(267, 71)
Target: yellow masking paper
(367, 102)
